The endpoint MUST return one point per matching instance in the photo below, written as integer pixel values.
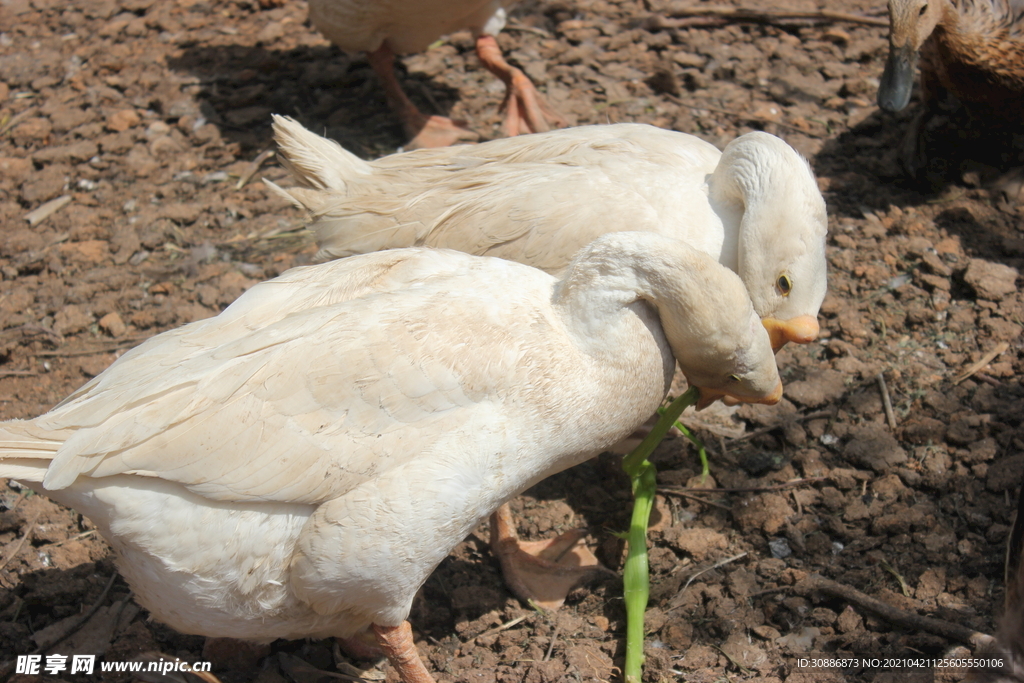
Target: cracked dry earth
(146, 115)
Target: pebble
(31, 131)
(122, 120)
(112, 324)
(991, 281)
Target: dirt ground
(147, 115)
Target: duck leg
(399, 648)
(424, 131)
(525, 110)
(543, 572)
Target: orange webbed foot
(525, 109)
(541, 572)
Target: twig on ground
(985, 360)
(890, 417)
(16, 119)
(752, 489)
(686, 17)
(988, 379)
(551, 644)
(31, 527)
(507, 625)
(251, 170)
(705, 570)
(18, 500)
(51, 207)
(516, 26)
(109, 348)
(77, 537)
(893, 615)
(18, 373)
(703, 501)
(29, 329)
(799, 418)
(81, 621)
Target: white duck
(253, 471)
(385, 28)
(537, 199)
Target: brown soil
(146, 114)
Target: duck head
(910, 24)
(766, 187)
(715, 334)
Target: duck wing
(304, 404)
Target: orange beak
(709, 396)
(802, 329)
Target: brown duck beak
(802, 329)
(709, 396)
(898, 78)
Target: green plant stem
(705, 468)
(635, 573)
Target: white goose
(537, 199)
(253, 471)
(385, 28)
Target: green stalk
(705, 469)
(635, 574)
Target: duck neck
(767, 192)
(749, 188)
(621, 271)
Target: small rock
(181, 213)
(819, 388)
(766, 511)
(766, 632)
(112, 324)
(769, 111)
(991, 281)
(164, 146)
(837, 35)
(699, 657)
(689, 60)
(140, 162)
(89, 251)
(31, 131)
(742, 652)
(14, 168)
(1004, 474)
(874, 446)
(44, 185)
(122, 120)
(699, 543)
(71, 319)
(83, 150)
(125, 243)
(930, 584)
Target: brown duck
(973, 49)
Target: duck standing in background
(970, 49)
(386, 28)
(298, 465)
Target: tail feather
(315, 162)
(309, 200)
(26, 450)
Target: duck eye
(734, 378)
(785, 285)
